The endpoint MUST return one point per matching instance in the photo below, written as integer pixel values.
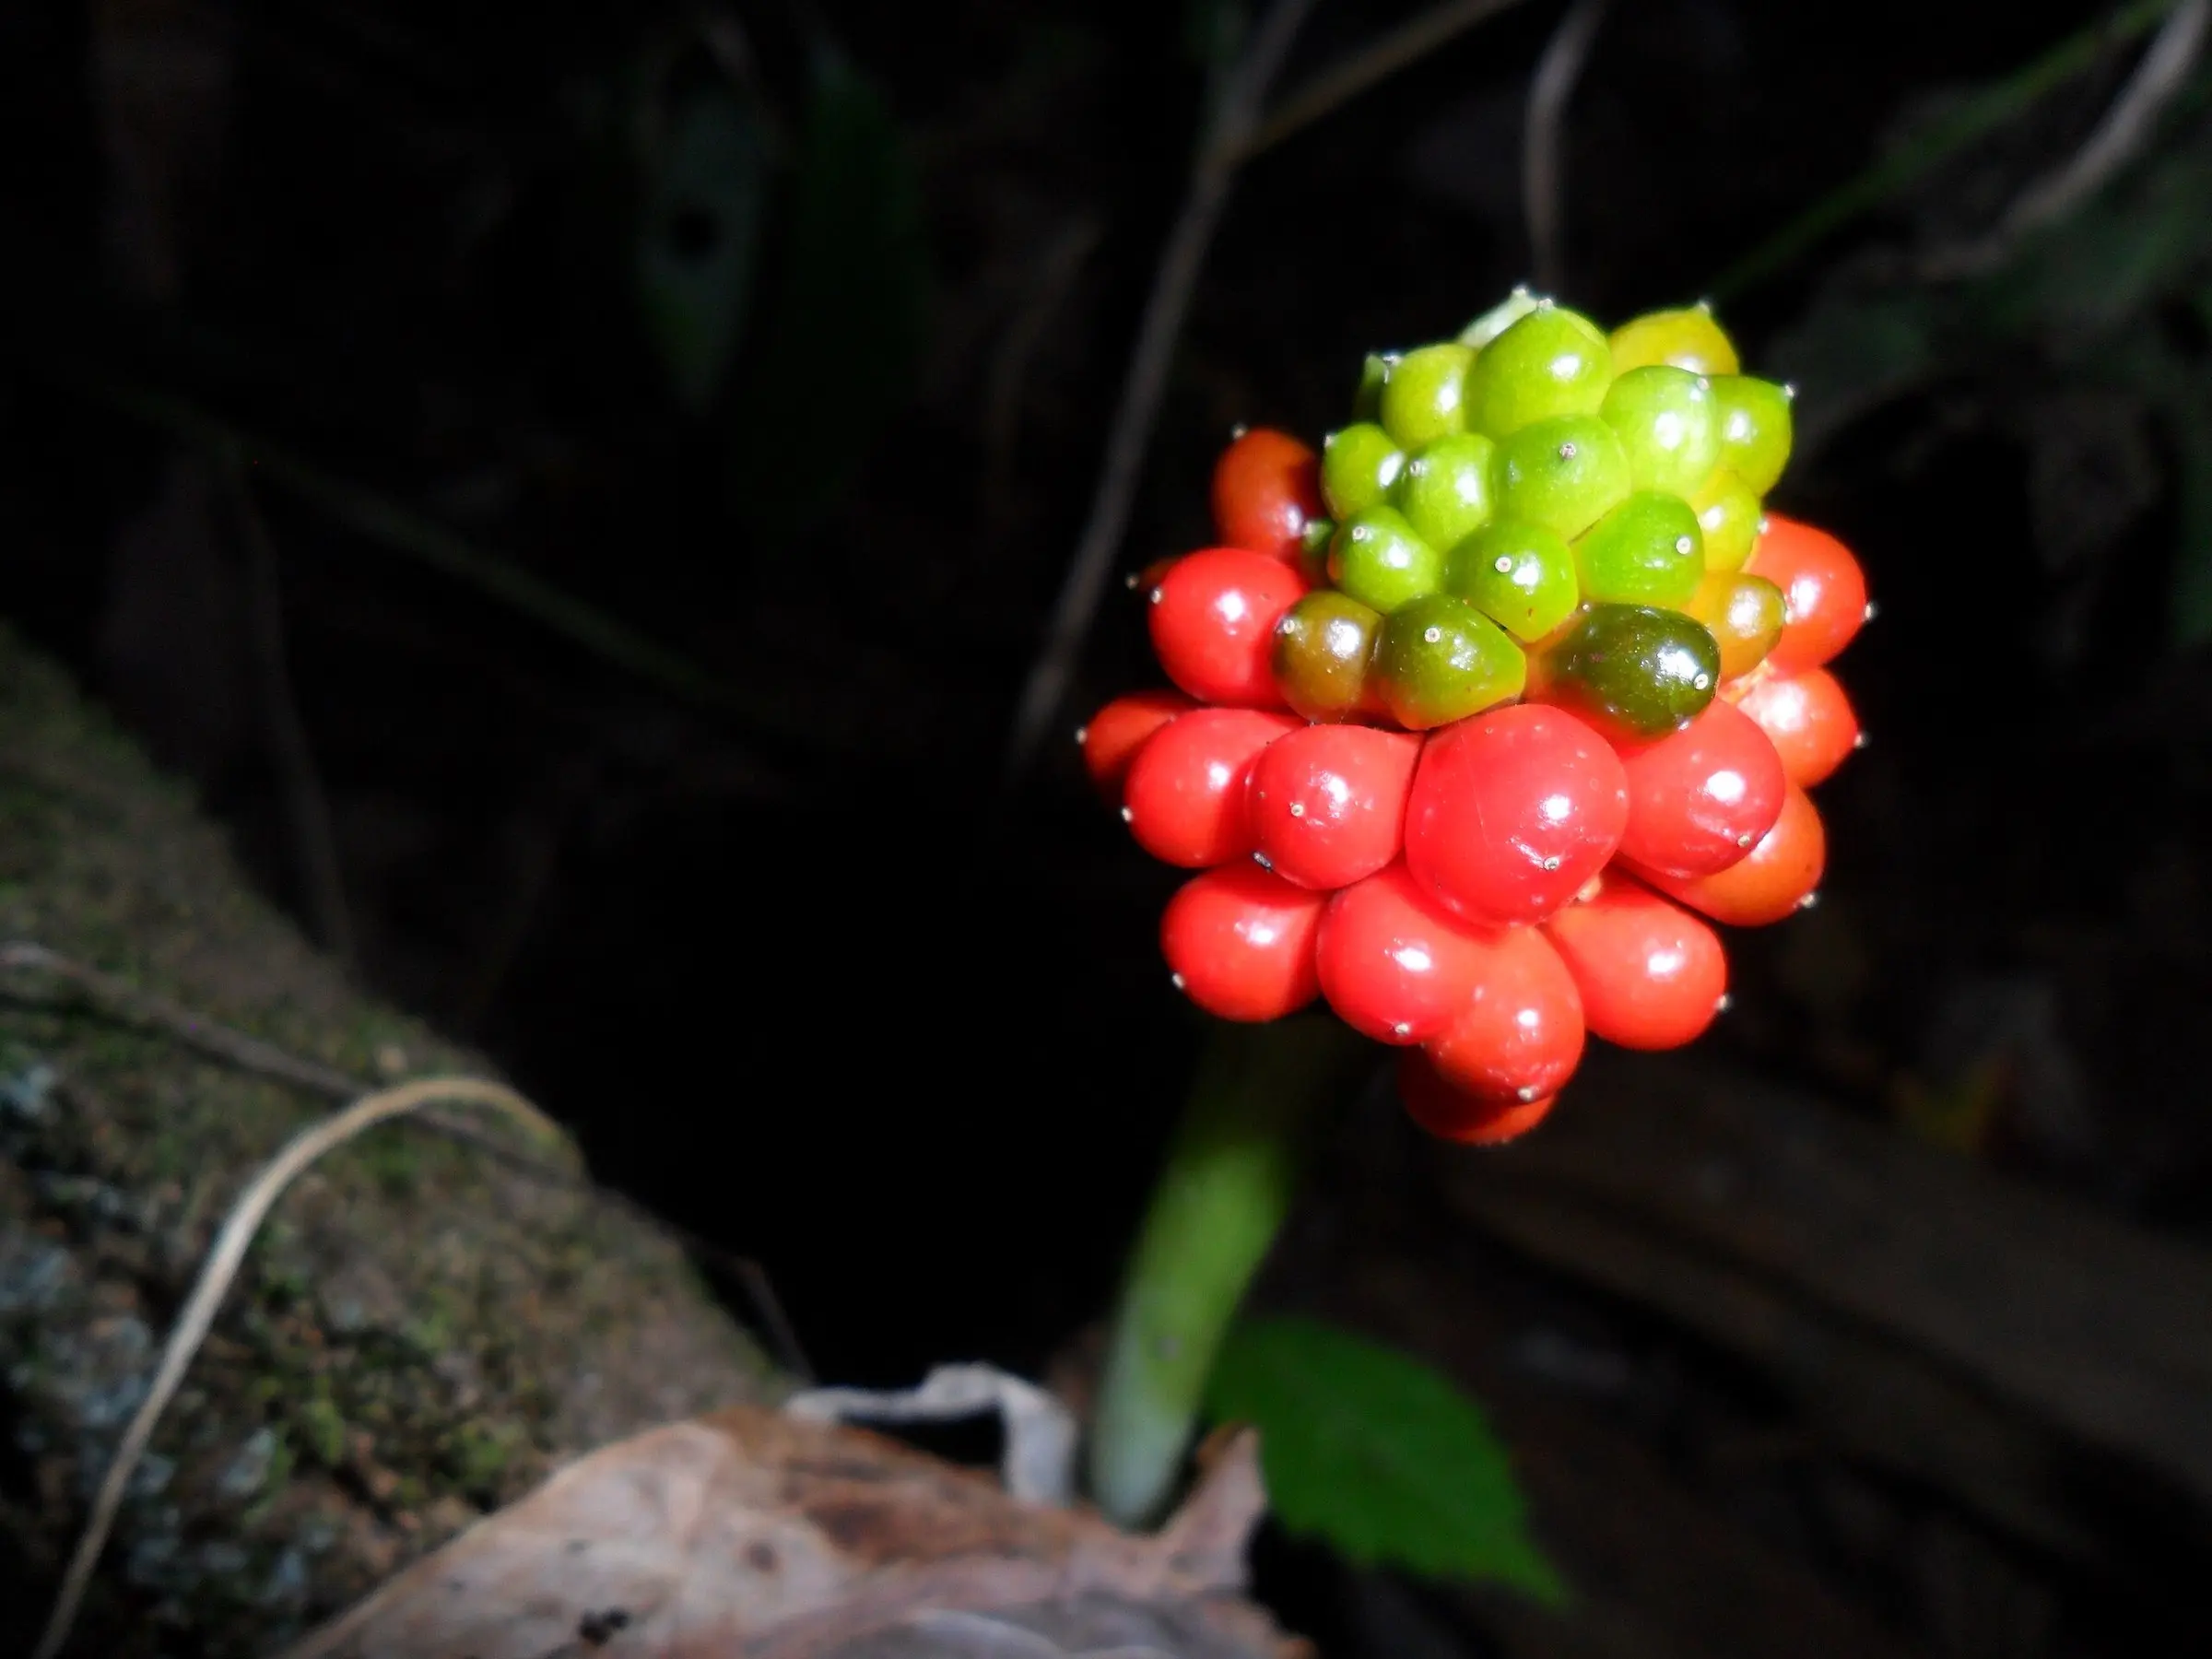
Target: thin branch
(306, 804)
(119, 1000)
(1543, 140)
(224, 1260)
(1146, 383)
(2127, 126)
(1047, 290)
(1400, 49)
(379, 520)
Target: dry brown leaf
(748, 1535)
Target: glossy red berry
(1805, 716)
(1774, 878)
(1395, 964)
(1266, 490)
(1111, 737)
(1519, 1037)
(1822, 587)
(1512, 810)
(1327, 802)
(1700, 799)
(1213, 619)
(1450, 1115)
(1184, 797)
(1240, 942)
(1652, 975)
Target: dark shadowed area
(577, 490)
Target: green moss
(478, 1454)
(323, 1427)
(393, 1159)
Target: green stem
(1257, 1099)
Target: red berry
(1512, 810)
(1700, 799)
(1213, 624)
(1241, 943)
(1184, 796)
(1266, 489)
(1395, 964)
(1327, 802)
(1774, 878)
(1450, 1115)
(1822, 586)
(1519, 1037)
(1112, 737)
(1650, 974)
(1805, 716)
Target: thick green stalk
(1259, 1096)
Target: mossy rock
(423, 1329)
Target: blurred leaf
(1993, 107)
(2090, 301)
(1853, 351)
(699, 237)
(2113, 259)
(1377, 1455)
(1214, 31)
(850, 312)
(2185, 402)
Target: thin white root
(224, 1259)
(1039, 1465)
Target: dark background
(802, 974)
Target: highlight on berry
(1487, 708)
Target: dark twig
(305, 801)
(1130, 435)
(1543, 140)
(1400, 49)
(1047, 290)
(1978, 117)
(115, 999)
(379, 520)
(531, 868)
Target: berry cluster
(1490, 710)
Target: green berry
(1425, 398)
(1322, 649)
(1366, 402)
(1564, 474)
(1358, 465)
(1755, 428)
(1633, 671)
(1688, 339)
(1499, 318)
(1519, 575)
(1728, 516)
(1445, 492)
(1551, 363)
(1440, 660)
(1666, 421)
(1379, 560)
(1313, 547)
(1648, 550)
